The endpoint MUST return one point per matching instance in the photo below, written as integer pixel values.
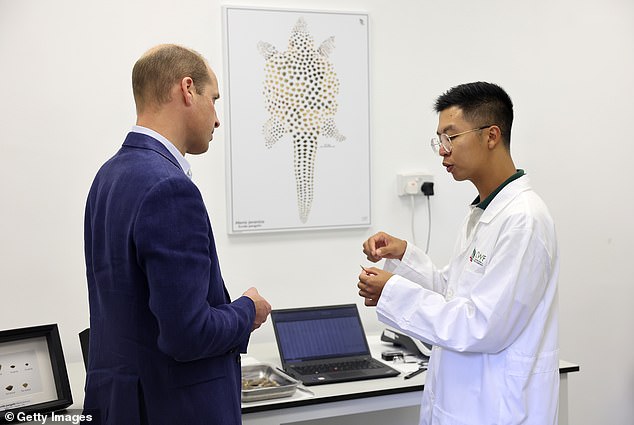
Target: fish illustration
(300, 91)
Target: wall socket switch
(410, 183)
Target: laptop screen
(319, 332)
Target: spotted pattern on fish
(300, 90)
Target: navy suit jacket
(165, 338)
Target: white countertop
(267, 353)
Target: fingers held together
(369, 302)
(365, 293)
(371, 283)
(382, 245)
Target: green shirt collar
(484, 204)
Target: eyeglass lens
(443, 140)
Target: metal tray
(286, 386)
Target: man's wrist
(404, 250)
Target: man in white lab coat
(491, 313)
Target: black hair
(482, 104)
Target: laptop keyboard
(336, 367)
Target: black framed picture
(33, 375)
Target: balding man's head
(160, 68)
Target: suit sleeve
(172, 238)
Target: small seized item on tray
(263, 382)
(258, 383)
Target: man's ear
(186, 90)
(494, 135)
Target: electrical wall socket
(410, 183)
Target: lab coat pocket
(469, 278)
(522, 365)
(532, 388)
(474, 269)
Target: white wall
(66, 105)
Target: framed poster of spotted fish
(297, 119)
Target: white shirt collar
(187, 169)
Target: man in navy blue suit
(165, 338)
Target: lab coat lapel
(468, 230)
(476, 216)
(506, 195)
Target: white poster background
(260, 181)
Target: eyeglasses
(444, 140)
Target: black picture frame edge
(58, 367)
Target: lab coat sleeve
(490, 308)
(417, 267)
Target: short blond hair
(156, 72)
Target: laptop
(323, 345)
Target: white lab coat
(491, 314)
